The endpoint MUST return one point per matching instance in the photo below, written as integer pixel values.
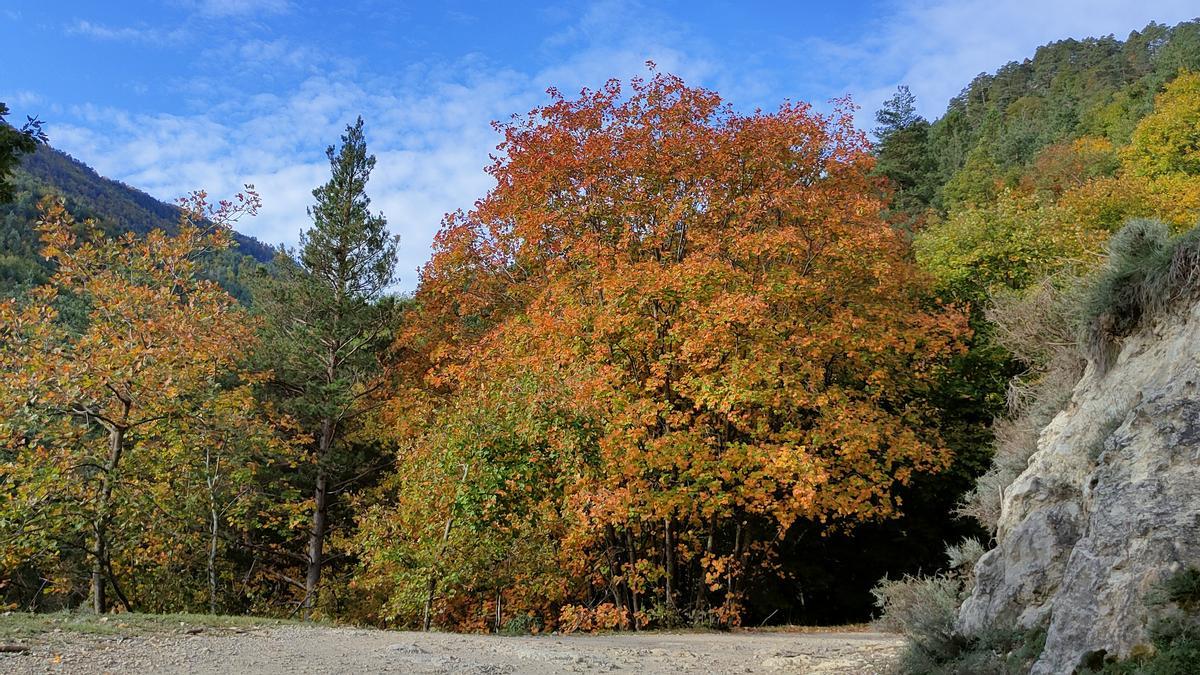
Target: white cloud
(429, 126)
(431, 146)
(23, 98)
(142, 34)
(223, 8)
(615, 39)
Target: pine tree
(15, 142)
(325, 315)
(897, 114)
(902, 155)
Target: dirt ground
(323, 649)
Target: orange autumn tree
(669, 336)
(92, 400)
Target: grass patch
(18, 626)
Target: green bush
(1147, 272)
(924, 610)
(522, 624)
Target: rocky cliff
(1108, 506)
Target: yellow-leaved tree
(93, 398)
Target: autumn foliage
(671, 337)
(128, 434)
(681, 365)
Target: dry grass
(1038, 328)
(1148, 273)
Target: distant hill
(116, 206)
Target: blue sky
(184, 94)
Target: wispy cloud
(265, 106)
(615, 39)
(138, 34)
(432, 145)
(429, 124)
(223, 8)
(24, 98)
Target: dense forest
(681, 366)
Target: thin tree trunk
(214, 528)
(698, 600)
(427, 613)
(499, 608)
(316, 536)
(632, 593)
(614, 570)
(212, 563)
(670, 565)
(116, 441)
(737, 543)
(99, 602)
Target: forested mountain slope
(116, 206)
(995, 129)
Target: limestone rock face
(1109, 505)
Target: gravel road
(316, 649)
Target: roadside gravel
(324, 649)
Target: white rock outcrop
(1108, 506)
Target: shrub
(1037, 327)
(1183, 589)
(925, 611)
(523, 624)
(605, 616)
(1147, 273)
(965, 554)
(663, 616)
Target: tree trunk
(634, 606)
(316, 536)
(212, 562)
(699, 601)
(99, 602)
(670, 564)
(116, 441)
(427, 615)
(210, 469)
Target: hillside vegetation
(681, 366)
(116, 207)
(1052, 191)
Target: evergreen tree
(14, 143)
(326, 316)
(902, 154)
(897, 114)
